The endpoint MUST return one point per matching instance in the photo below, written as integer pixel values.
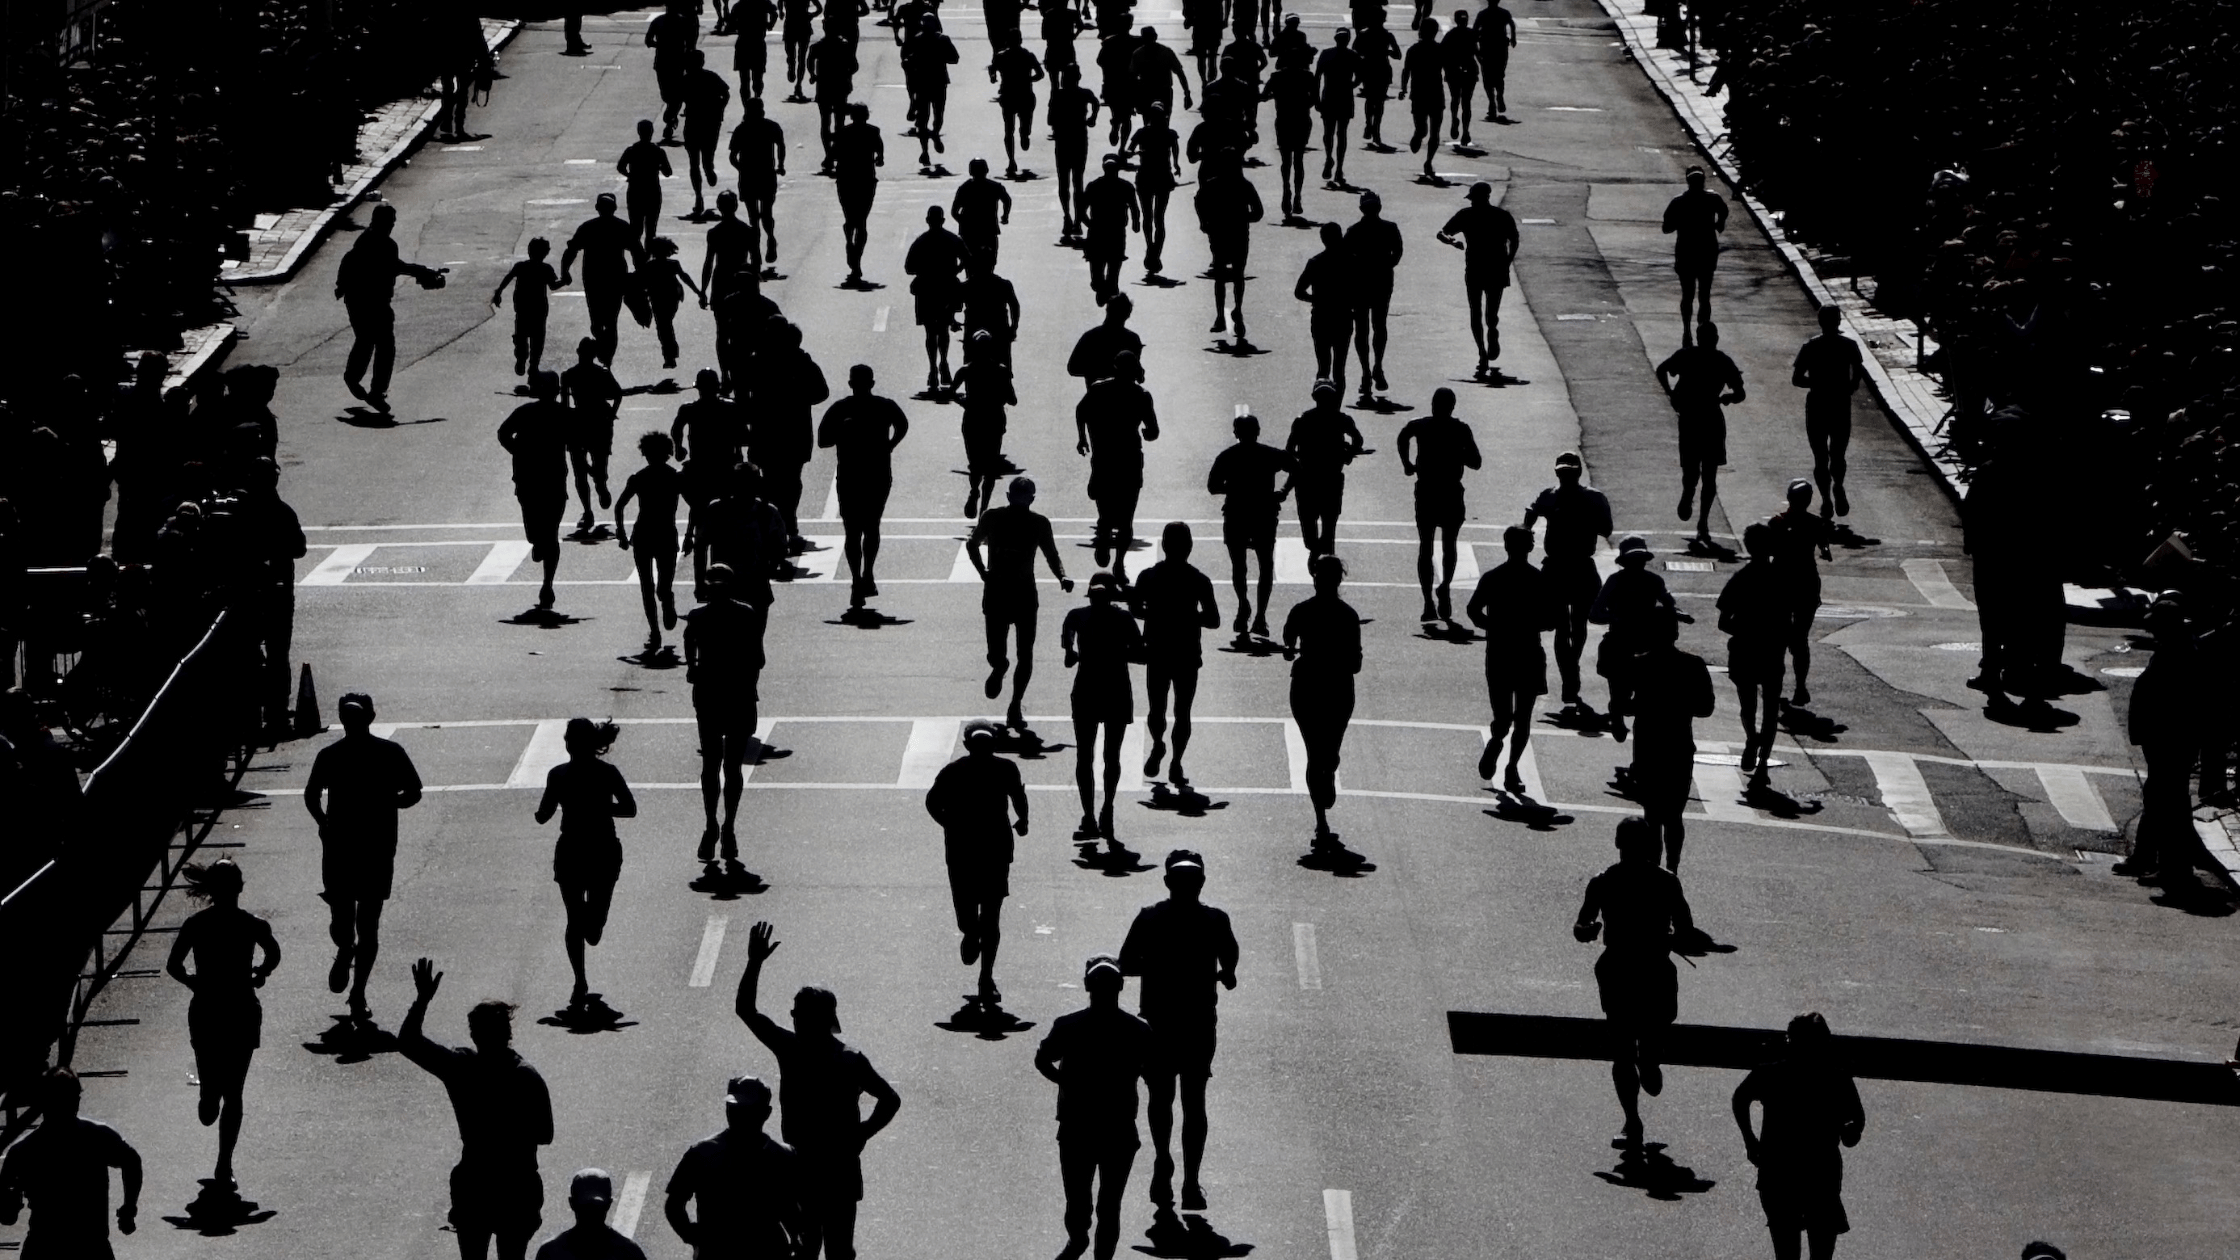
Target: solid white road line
(1720, 787)
(1929, 578)
(1131, 759)
(1295, 753)
(931, 743)
(1337, 1213)
(547, 748)
(1906, 794)
(1310, 961)
(338, 564)
(1291, 562)
(879, 321)
(2079, 802)
(711, 949)
(631, 1203)
(499, 565)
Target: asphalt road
(1942, 876)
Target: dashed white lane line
(1131, 759)
(711, 950)
(499, 565)
(631, 1203)
(1291, 562)
(2079, 802)
(338, 564)
(1906, 794)
(879, 321)
(1337, 1213)
(1310, 961)
(1294, 753)
(547, 748)
(1929, 578)
(932, 740)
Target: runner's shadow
(1466, 150)
(867, 619)
(1844, 537)
(2040, 718)
(1115, 863)
(860, 286)
(1382, 406)
(1022, 177)
(1433, 181)
(1237, 349)
(1446, 632)
(1188, 802)
(598, 535)
(352, 1040)
(1806, 724)
(219, 1211)
(1189, 1238)
(1338, 860)
(1300, 221)
(1516, 807)
(935, 171)
(1711, 550)
(666, 385)
(987, 1021)
(1592, 725)
(593, 1015)
(727, 883)
(1652, 1172)
(663, 657)
(1161, 282)
(368, 418)
(542, 619)
(2194, 897)
(1778, 803)
(1024, 744)
(938, 396)
(1252, 645)
(1493, 379)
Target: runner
(1337, 73)
(821, 1082)
(536, 435)
(786, 388)
(357, 785)
(605, 242)
(1322, 640)
(365, 284)
(1830, 368)
(1180, 948)
(750, 55)
(1422, 73)
(1797, 537)
(1228, 206)
(1487, 236)
(981, 208)
(799, 29)
(1625, 604)
(747, 1183)
(1754, 614)
(980, 802)
(1095, 1056)
(991, 317)
(733, 252)
(1458, 61)
(1073, 111)
(935, 263)
(1113, 420)
(1175, 602)
(1694, 219)
(1245, 474)
(656, 489)
(1061, 24)
(593, 399)
(1100, 638)
(1109, 211)
(666, 283)
(1671, 689)
(1015, 70)
(1328, 292)
(758, 155)
(1202, 18)
(1514, 604)
(224, 1019)
(62, 1167)
(590, 1195)
(985, 384)
(533, 281)
(832, 72)
(723, 660)
(862, 429)
(1378, 50)
(672, 35)
(1098, 350)
(706, 96)
(588, 794)
(1576, 517)
(1497, 34)
(1292, 88)
(1812, 1111)
(1012, 535)
(1373, 249)
(1443, 447)
(1323, 440)
(504, 1112)
(1638, 910)
(925, 68)
(857, 151)
(1116, 57)
(1709, 380)
(1157, 151)
(644, 165)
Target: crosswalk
(1433, 762)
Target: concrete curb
(1908, 395)
(497, 35)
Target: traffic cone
(307, 705)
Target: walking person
(365, 284)
(1797, 538)
(2171, 716)
(1179, 948)
(1458, 61)
(224, 1020)
(1113, 420)
(981, 207)
(1497, 34)
(643, 166)
(1487, 236)
(593, 399)
(1754, 615)
(605, 242)
(707, 95)
(821, 1084)
(746, 1183)
(535, 434)
(723, 661)
(1095, 1056)
(1327, 289)
(1626, 603)
(1577, 516)
(1373, 250)
(1292, 88)
(862, 429)
(1378, 50)
(1708, 381)
(1812, 1111)
(665, 285)
(1443, 447)
(798, 28)
(1829, 368)
(1002, 548)
(1322, 640)
(1637, 910)
(1514, 604)
(62, 1168)
(589, 794)
(1228, 206)
(657, 489)
(980, 803)
(672, 35)
(787, 386)
(1251, 506)
(1694, 220)
(1100, 640)
(1175, 602)
(358, 784)
(1323, 440)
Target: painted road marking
(1294, 752)
(1291, 562)
(831, 558)
(711, 949)
(831, 502)
(1528, 766)
(1720, 786)
(879, 321)
(338, 564)
(2219, 843)
(547, 748)
(2079, 802)
(499, 565)
(1337, 1213)
(631, 1203)
(1906, 794)
(1131, 759)
(1935, 585)
(932, 740)
(1310, 962)
(960, 569)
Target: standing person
(821, 1083)
(224, 1020)
(1443, 447)
(1100, 639)
(588, 794)
(1109, 211)
(1694, 220)
(1497, 34)
(798, 27)
(62, 1167)
(1322, 640)
(1637, 910)
(1175, 601)
(980, 803)
(1373, 248)
(590, 1195)
(643, 166)
(723, 660)
(1095, 1056)
(758, 156)
(1157, 150)
(1487, 236)
(533, 281)
(1337, 72)
(504, 1112)
(1292, 88)
(1514, 604)
(1829, 368)
(536, 435)
(1323, 440)
(1576, 517)
(1422, 76)
(862, 429)
(1754, 614)
(1378, 50)
(656, 489)
(593, 399)
(858, 150)
(2169, 721)
(1113, 420)
(747, 1184)
(935, 265)
(1097, 351)
(986, 386)
(1011, 536)
(1179, 948)
(1073, 111)
(673, 36)
(982, 208)
(1626, 602)
(357, 785)
(1245, 474)
(707, 95)
(925, 66)
(1228, 205)
(1812, 1111)
(365, 284)
(1328, 292)
(1458, 61)
(1797, 537)
(1671, 689)
(1708, 381)
(605, 242)
(1015, 72)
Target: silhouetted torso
(747, 1185)
(1012, 535)
(1179, 949)
(1106, 639)
(1328, 632)
(1168, 596)
(502, 1104)
(62, 1168)
(1099, 1055)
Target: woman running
(1100, 638)
(224, 1019)
(589, 794)
(1157, 152)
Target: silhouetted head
(384, 219)
(662, 247)
(490, 1025)
(60, 1094)
(1695, 179)
(1342, 37)
(1156, 112)
(815, 1010)
(1104, 587)
(586, 738)
(1069, 74)
(1333, 236)
(1101, 976)
(1707, 335)
(1148, 35)
(1246, 427)
(355, 710)
(218, 882)
(586, 350)
(1186, 874)
(1637, 841)
(746, 480)
(655, 446)
(860, 378)
(590, 1194)
(604, 205)
(1118, 307)
(709, 382)
(1480, 193)
(859, 112)
(1442, 401)
(1633, 552)
(1809, 1037)
(1111, 163)
(539, 247)
(1371, 203)
(2043, 1251)
(1569, 467)
(544, 384)
(2166, 618)
(727, 203)
(934, 216)
(977, 168)
(746, 1104)
(1830, 315)
(1800, 493)
(1757, 540)
(1020, 492)
(1429, 30)
(787, 332)
(151, 367)
(1328, 571)
(1175, 541)
(1517, 541)
(645, 129)
(1659, 627)
(930, 23)
(1126, 366)
(980, 737)
(751, 107)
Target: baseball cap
(591, 1185)
(979, 728)
(1570, 459)
(1185, 858)
(745, 1090)
(1100, 962)
(355, 700)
